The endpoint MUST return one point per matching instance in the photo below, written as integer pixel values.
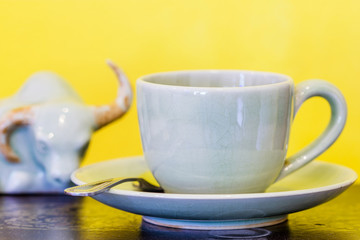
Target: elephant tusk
(106, 114)
(16, 118)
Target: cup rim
(144, 80)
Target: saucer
(314, 184)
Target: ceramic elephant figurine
(45, 129)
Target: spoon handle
(95, 188)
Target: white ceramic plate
(316, 183)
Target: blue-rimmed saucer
(316, 183)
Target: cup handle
(304, 91)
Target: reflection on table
(63, 217)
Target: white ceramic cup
(227, 131)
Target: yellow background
(304, 39)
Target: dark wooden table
(64, 217)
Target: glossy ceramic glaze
(226, 131)
(45, 129)
(313, 184)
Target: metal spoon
(95, 188)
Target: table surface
(63, 217)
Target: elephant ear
(8, 123)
